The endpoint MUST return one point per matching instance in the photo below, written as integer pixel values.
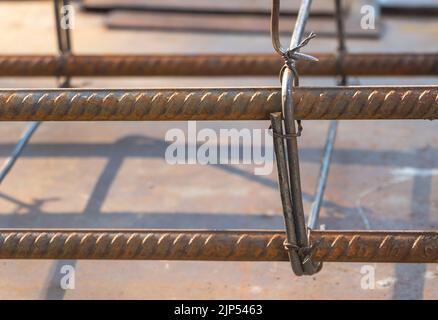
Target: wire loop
(287, 159)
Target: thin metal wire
(64, 48)
(62, 34)
(257, 64)
(331, 134)
(289, 79)
(239, 103)
(10, 161)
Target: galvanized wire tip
(291, 56)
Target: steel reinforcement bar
(414, 102)
(334, 246)
(384, 64)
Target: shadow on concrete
(411, 277)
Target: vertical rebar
(63, 40)
(64, 48)
(10, 161)
(331, 134)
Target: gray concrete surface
(384, 176)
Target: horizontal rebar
(367, 64)
(247, 245)
(413, 102)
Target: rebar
(333, 127)
(354, 64)
(323, 175)
(323, 103)
(245, 245)
(63, 36)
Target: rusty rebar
(367, 64)
(376, 246)
(247, 245)
(323, 103)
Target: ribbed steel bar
(62, 33)
(334, 246)
(323, 103)
(64, 47)
(366, 64)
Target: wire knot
(291, 56)
(304, 253)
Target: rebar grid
(216, 104)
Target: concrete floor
(113, 175)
